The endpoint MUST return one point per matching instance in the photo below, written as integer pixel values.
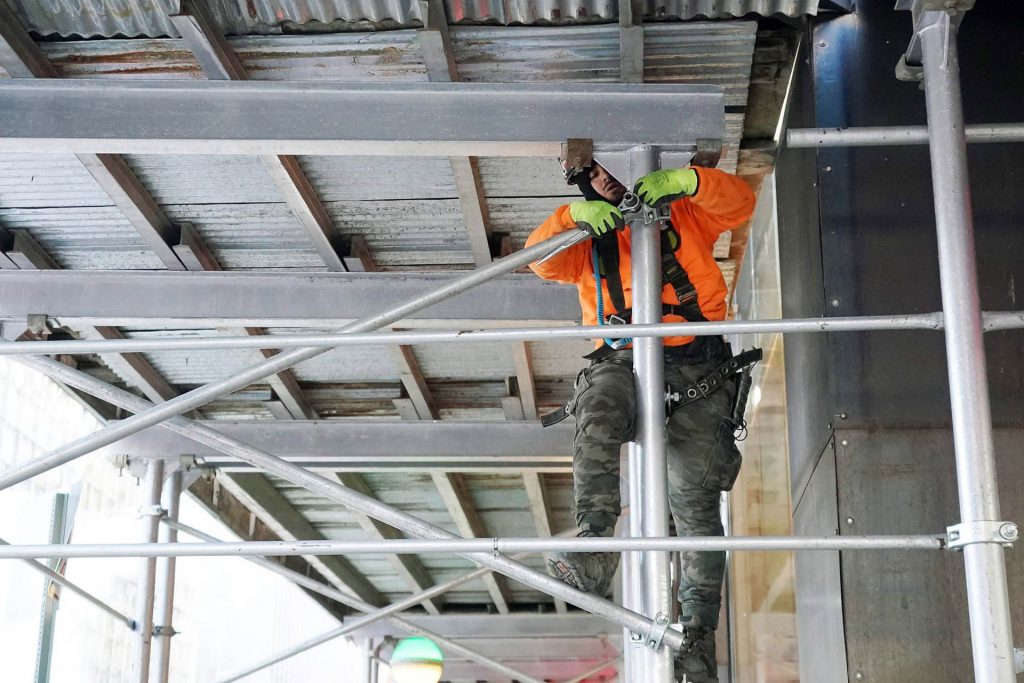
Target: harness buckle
(616, 319)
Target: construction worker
(702, 457)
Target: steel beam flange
(653, 639)
(966, 533)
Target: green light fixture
(416, 660)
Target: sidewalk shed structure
(278, 247)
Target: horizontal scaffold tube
(880, 136)
(477, 545)
(300, 579)
(153, 414)
(334, 491)
(918, 321)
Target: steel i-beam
(436, 119)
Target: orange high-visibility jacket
(722, 202)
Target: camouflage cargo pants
(702, 462)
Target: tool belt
(695, 391)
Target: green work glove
(598, 218)
(661, 187)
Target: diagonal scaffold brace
(169, 413)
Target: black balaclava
(582, 181)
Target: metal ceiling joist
(376, 444)
(256, 298)
(578, 624)
(455, 494)
(257, 493)
(133, 368)
(219, 62)
(414, 382)
(22, 58)
(439, 58)
(409, 567)
(195, 254)
(631, 41)
(432, 119)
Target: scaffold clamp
(151, 511)
(966, 533)
(653, 639)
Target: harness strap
(694, 391)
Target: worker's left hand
(661, 187)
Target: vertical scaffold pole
(163, 608)
(150, 511)
(652, 468)
(987, 596)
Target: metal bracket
(653, 639)
(578, 153)
(709, 152)
(925, 13)
(966, 533)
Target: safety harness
(605, 255)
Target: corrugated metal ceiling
(406, 208)
(148, 18)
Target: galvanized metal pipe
(346, 599)
(332, 490)
(652, 459)
(878, 136)
(200, 396)
(371, 617)
(163, 610)
(473, 546)
(988, 600)
(1001, 320)
(144, 596)
(74, 588)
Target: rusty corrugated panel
(148, 18)
(557, 12)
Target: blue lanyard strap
(614, 343)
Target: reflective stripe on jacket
(722, 202)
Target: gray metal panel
(405, 232)
(906, 613)
(85, 238)
(203, 179)
(808, 365)
(347, 179)
(47, 180)
(695, 53)
(819, 598)
(866, 261)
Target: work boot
(696, 662)
(589, 572)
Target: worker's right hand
(598, 218)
